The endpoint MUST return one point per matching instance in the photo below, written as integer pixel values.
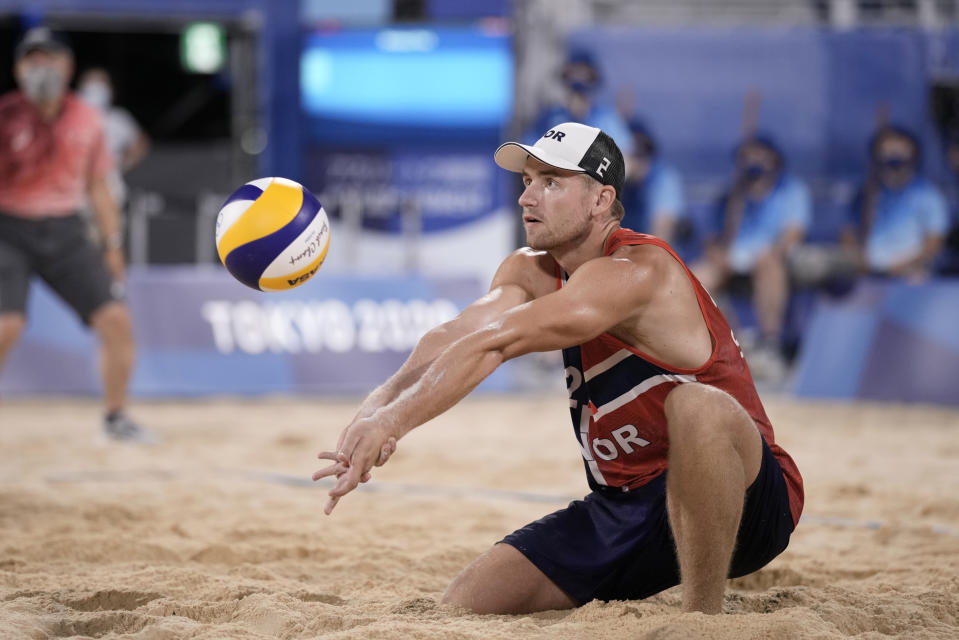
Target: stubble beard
(547, 240)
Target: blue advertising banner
(889, 341)
(399, 128)
(438, 212)
(200, 332)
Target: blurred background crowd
(789, 149)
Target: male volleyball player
(688, 484)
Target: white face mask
(98, 94)
(44, 84)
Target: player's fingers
(342, 439)
(347, 482)
(336, 469)
(388, 449)
(328, 509)
(366, 477)
(327, 455)
(347, 448)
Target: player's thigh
(503, 580)
(73, 267)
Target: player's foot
(119, 427)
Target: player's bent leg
(504, 581)
(11, 326)
(112, 323)
(715, 453)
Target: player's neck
(573, 256)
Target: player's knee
(456, 594)
(468, 591)
(702, 412)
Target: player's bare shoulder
(534, 271)
(650, 260)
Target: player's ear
(605, 197)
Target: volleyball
(272, 234)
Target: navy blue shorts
(619, 545)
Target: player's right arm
(515, 283)
(511, 287)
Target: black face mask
(581, 87)
(755, 172)
(895, 163)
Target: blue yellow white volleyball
(272, 234)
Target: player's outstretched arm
(599, 296)
(509, 288)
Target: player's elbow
(578, 325)
(567, 329)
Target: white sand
(197, 537)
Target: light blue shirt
(659, 196)
(763, 222)
(902, 221)
(665, 192)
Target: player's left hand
(363, 445)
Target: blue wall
(819, 90)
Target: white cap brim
(512, 157)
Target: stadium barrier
(886, 340)
(199, 332)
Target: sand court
(217, 532)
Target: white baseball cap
(571, 146)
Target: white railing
(839, 13)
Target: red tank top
(617, 395)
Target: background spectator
(761, 218)
(653, 197)
(127, 141)
(900, 219)
(53, 158)
(581, 78)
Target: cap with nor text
(41, 39)
(571, 146)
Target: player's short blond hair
(616, 209)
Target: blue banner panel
(201, 332)
(430, 211)
(889, 341)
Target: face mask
(754, 172)
(97, 94)
(580, 86)
(43, 84)
(895, 163)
